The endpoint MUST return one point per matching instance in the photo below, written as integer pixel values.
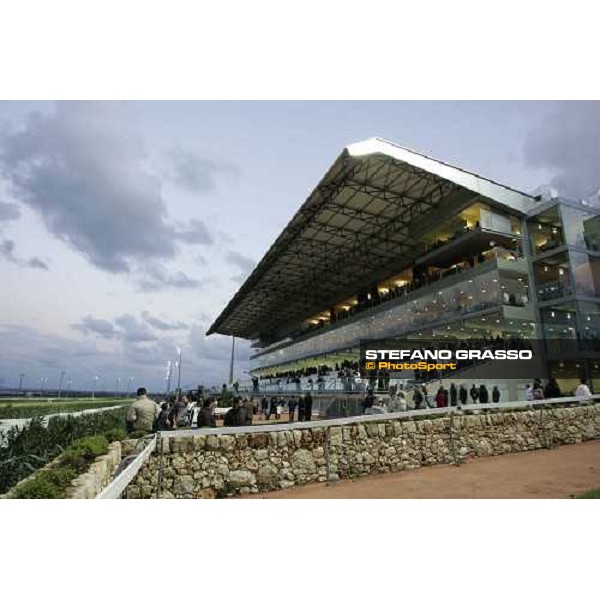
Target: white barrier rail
(408, 414)
(115, 488)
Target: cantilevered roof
(355, 228)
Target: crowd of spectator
(460, 395)
(420, 278)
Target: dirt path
(556, 473)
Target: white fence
(115, 488)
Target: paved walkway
(558, 473)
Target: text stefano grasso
(448, 354)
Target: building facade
(395, 244)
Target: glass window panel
(553, 278)
(581, 229)
(586, 274)
(545, 231)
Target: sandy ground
(557, 473)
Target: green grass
(26, 410)
(591, 494)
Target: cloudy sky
(126, 227)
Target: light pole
(232, 360)
(21, 377)
(168, 376)
(179, 373)
(129, 382)
(60, 383)
(95, 385)
(118, 384)
(69, 382)
(43, 380)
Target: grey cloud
(24, 349)
(7, 251)
(156, 279)
(217, 347)
(153, 354)
(84, 169)
(195, 173)
(195, 232)
(100, 327)
(162, 325)
(239, 260)
(125, 327)
(9, 211)
(134, 331)
(36, 353)
(243, 262)
(37, 263)
(568, 142)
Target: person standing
(429, 403)
(301, 409)
(248, 407)
(292, 403)
(495, 394)
(474, 393)
(308, 407)
(462, 394)
(440, 398)
(483, 394)
(142, 414)
(453, 394)
(583, 391)
(206, 416)
(417, 398)
(273, 407)
(552, 389)
(538, 392)
(235, 416)
(369, 400)
(264, 407)
(162, 421)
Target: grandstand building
(393, 243)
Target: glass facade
(546, 231)
(432, 306)
(481, 287)
(586, 274)
(581, 228)
(553, 277)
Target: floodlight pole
(232, 360)
(60, 383)
(179, 373)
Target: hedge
(24, 450)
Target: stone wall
(217, 465)
(98, 476)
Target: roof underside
(353, 230)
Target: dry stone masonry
(218, 465)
